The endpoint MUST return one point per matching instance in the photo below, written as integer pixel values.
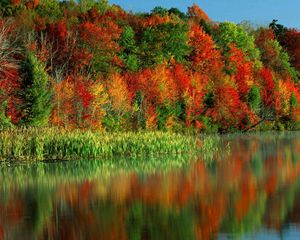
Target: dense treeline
(93, 65)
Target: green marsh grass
(60, 144)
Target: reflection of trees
(256, 185)
(154, 222)
(39, 208)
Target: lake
(250, 190)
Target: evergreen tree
(36, 94)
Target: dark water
(249, 192)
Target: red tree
(242, 70)
(292, 43)
(268, 86)
(197, 14)
(205, 57)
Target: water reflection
(253, 192)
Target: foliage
(163, 43)
(129, 49)
(10, 81)
(254, 98)
(278, 29)
(273, 56)
(205, 57)
(5, 121)
(101, 67)
(160, 11)
(37, 94)
(196, 14)
(100, 39)
(177, 12)
(229, 33)
(50, 8)
(291, 42)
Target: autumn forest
(92, 65)
(160, 125)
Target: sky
(260, 12)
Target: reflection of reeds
(54, 143)
(50, 174)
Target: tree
(229, 33)
(273, 55)
(241, 69)
(177, 12)
(100, 39)
(254, 98)
(37, 94)
(86, 5)
(129, 49)
(164, 42)
(50, 9)
(291, 42)
(278, 29)
(227, 107)
(32, 4)
(102, 6)
(10, 54)
(196, 14)
(204, 56)
(191, 87)
(79, 102)
(119, 109)
(160, 11)
(268, 84)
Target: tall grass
(55, 143)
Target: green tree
(160, 11)
(37, 94)
(102, 6)
(229, 33)
(254, 98)
(177, 12)
(86, 5)
(50, 9)
(164, 42)
(129, 49)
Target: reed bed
(55, 143)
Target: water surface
(250, 191)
